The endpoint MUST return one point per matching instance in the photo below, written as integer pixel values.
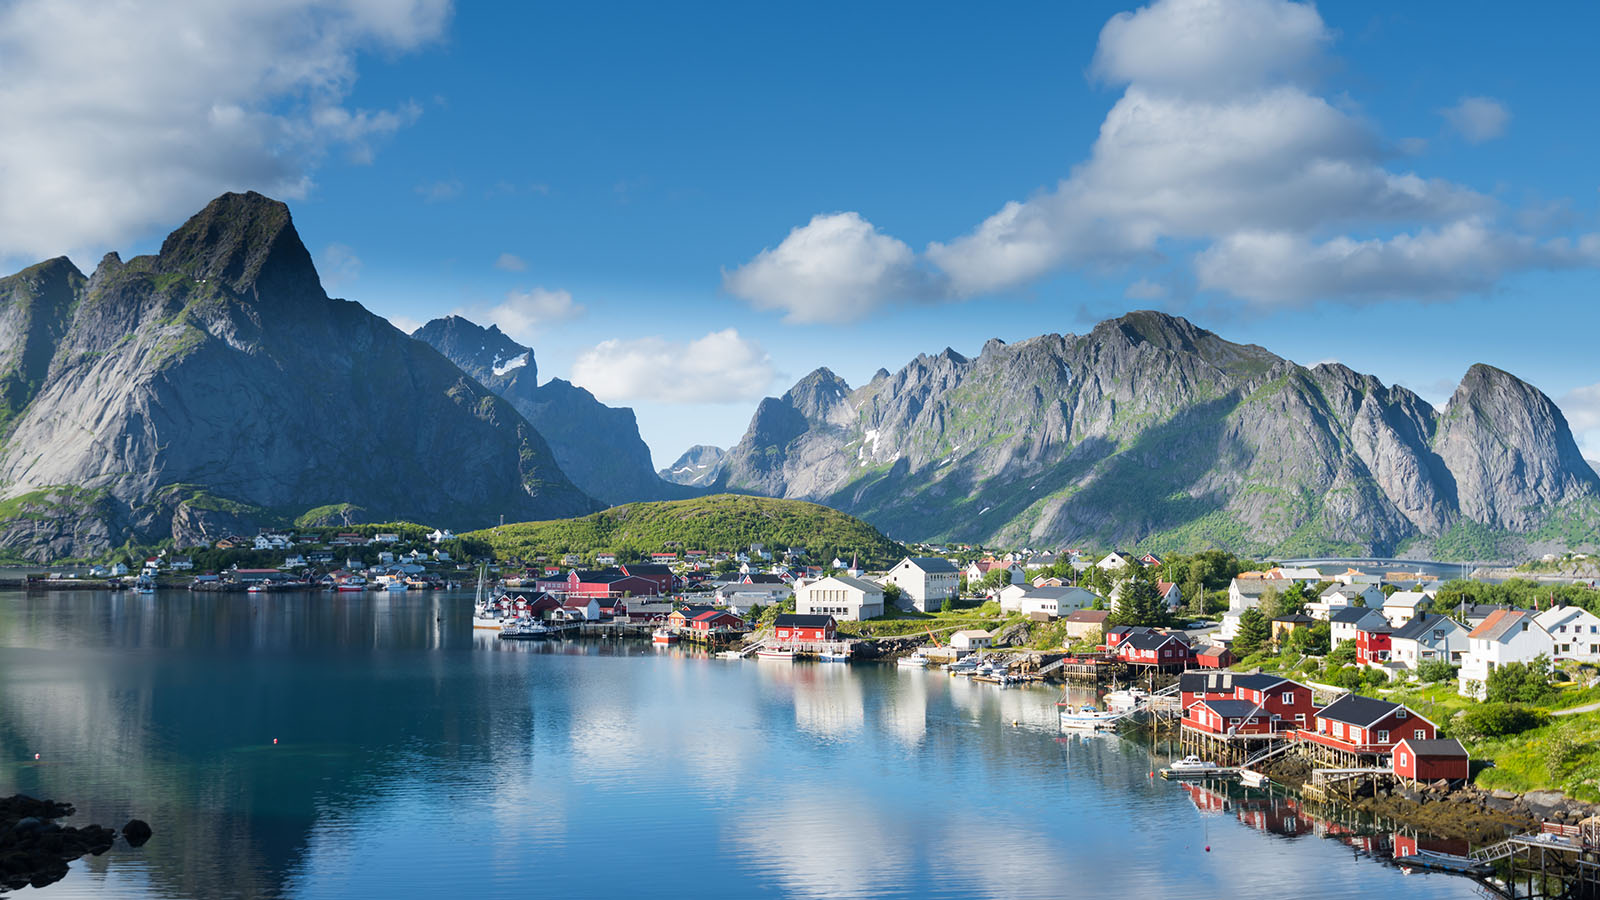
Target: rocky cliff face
(597, 446)
(699, 466)
(1151, 431)
(217, 382)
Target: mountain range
(1151, 432)
(597, 446)
(214, 387)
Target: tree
(1097, 581)
(1194, 595)
(1528, 682)
(891, 595)
(1138, 603)
(1432, 670)
(996, 578)
(948, 605)
(1254, 632)
(1268, 603)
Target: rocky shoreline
(35, 851)
(1467, 813)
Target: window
(1400, 758)
(1288, 697)
(1383, 737)
(1300, 719)
(1420, 734)
(1400, 713)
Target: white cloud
(440, 191)
(721, 367)
(1467, 256)
(1145, 289)
(835, 268)
(404, 323)
(125, 116)
(1210, 46)
(338, 266)
(1218, 146)
(510, 262)
(1581, 406)
(1478, 119)
(526, 314)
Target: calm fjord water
(416, 758)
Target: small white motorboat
(1125, 701)
(1252, 778)
(776, 653)
(1087, 717)
(914, 661)
(1192, 766)
(525, 630)
(834, 655)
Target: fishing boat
(487, 614)
(1087, 717)
(395, 584)
(663, 636)
(1192, 766)
(779, 653)
(353, 583)
(257, 588)
(966, 666)
(525, 630)
(1125, 701)
(835, 655)
(914, 661)
(144, 584)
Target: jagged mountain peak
(817, 394)
(487, 354)
(247, 242)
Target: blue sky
(633, 189)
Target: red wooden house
(1227, 717)
(660, 577)
(716, 620)
(797, 628)
(1424, 760)
(680, 618)
(1372, 641)
(1155, 648)
(1284, 705)
(1118, 633)
(1214, 656)
(1367, 727)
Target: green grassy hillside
(720, 522)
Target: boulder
(136, 832)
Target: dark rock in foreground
(35, 851)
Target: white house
(181, 564)
(976, 570)
(1507, 636)
(272, 541)
(1115, 560)
(971, 639)
(1243, 594)
(1342, 596)
(587, 610)
(1425, 637)
(925, 582)
(1346, 621)
(1052, 601)
(293, 562)
(1403, 606)
(118, 569)
(1575, 631)
(846, 599)
(440, 534)
(386, 538)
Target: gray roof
(1351, 615)
(1094, 616)
(1438, 747)
(1253, 586)
(1052, 593)
(1421, 625)
(1353, 590)
(1236, 709)
(932, 564)
(1353, 709)
(860, 584)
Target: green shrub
(1434, 670)
(1529, 682)
(1490, 720)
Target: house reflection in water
(1288, 817)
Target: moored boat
(1087, 717)
(779, 653)
(835, 655)
(914, 661)
(1124, 701)
(1192, 766)
(663, 636)
(524, 630)
(353, 583)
